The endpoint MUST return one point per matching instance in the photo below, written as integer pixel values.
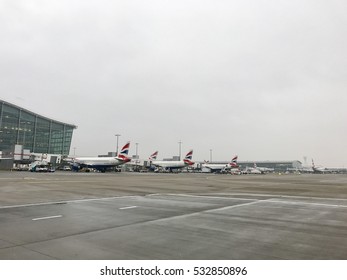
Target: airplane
(222, 168)
(102, 163)
(322, 170)
(264, 169)
(258, 170)
(252, 170)
(169, 166)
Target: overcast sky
(265, 80)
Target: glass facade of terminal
(36, 133)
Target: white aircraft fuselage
(102, 163)
(215, 167)
(169, 164)
(99, 161)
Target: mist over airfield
(262, 79)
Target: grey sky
(261, 79)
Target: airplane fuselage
(100, 161)
(216, 167)
(169, 164)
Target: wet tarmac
(90, 216)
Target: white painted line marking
(153, 194)
(304, 203)
(272, 199)
(45, 218)
(284, 196)
(211, 197)
(233, 206)
(128, 207)
(66, 201)
(205, 211)
(276, 199)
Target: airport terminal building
(24, 133)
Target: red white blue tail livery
(153, 156)
(123, 155)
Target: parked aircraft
(102, 163)
(263, 169)
(169, 166)
(252, 170)
(258, 170)
(222, 168)
(306, 169)
(322, 170)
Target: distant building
(25, 132)
(276, 165)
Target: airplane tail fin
(234, 162)
(188, 158)
(315, 170)
(153, 156)
(123, 155)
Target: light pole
(179, 149)
(117, 136)
(210, 155)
